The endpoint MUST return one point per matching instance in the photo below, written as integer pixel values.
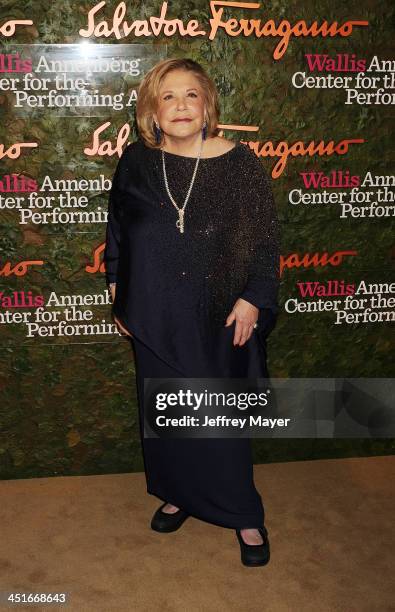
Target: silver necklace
(180, 220)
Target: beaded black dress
(174, 292)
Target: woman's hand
(245, 315)
(121, 328)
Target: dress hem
(244, 525)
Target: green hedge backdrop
(68, 404)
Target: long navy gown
(174, 292)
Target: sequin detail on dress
(230, 247)
(231, 244)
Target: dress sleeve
(263, 281)
(113, 228)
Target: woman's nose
(181, 103)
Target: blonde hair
(148, 96)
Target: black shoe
(166, 522)
(255, 554)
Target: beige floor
(330, 525)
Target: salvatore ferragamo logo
(233, 26)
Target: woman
(192, 260)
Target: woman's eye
(191, 93)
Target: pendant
(180, 221)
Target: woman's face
(181, 105)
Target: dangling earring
(204, 130)
(157, 131)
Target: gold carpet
(330, 526)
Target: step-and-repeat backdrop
(310, 88)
